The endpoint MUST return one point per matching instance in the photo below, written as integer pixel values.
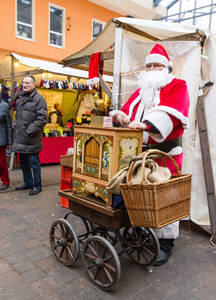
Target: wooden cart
(108, 234)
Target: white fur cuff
(115, 112)
(162, 122)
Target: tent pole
(117, 67)
(207, 166)
(12, 77)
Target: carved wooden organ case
(99, 153)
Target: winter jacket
(5, 125)
(31, 117)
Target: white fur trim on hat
(158, 58)
(93, 81)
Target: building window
(97, 27)
(56, 26)
(24, 19)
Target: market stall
(58, 85)
(192, 49)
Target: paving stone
(33, 275)
(63, 274)
(79, 287)
(19, 292)
(19, 237)
(7, 212)
(46, 288)
(23, 266)
(31, 244)
(39, 234)
(47, 263)
(15, 258)
(9, 278)
(38, 253)
(4, 267)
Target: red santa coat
(170, 116)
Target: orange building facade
(49, 30)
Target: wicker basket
(158, 204)
(67, 160)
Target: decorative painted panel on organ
(99, 153)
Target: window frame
(98, 21)
(22, 23)
(63, 25)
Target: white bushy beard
(150, 83)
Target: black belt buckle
(146, 147)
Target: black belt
(165, 146)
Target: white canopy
(28, 63)
(49, 66)
(149, 31)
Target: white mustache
(155, 79)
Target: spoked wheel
(64, 242)
(101, 262)
(112, 236)
(84, 228)
(141, 245)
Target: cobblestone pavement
(29, 270)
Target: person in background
(56, 116)
(31, 117)
(5, 142)
(160, 108)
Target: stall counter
(53, 148)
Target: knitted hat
(158, 55)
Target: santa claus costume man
(160, 108)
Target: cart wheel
(141, 245)
(111, 236)
(64, 242)
(84, 228)
(101, 262)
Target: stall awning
(147, 30)
(50, 67)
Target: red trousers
(4, 175)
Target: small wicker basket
(155, 205)
(67, 160)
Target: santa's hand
(137, 125)
(120, 119)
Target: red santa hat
(158, 55)
(94, 69)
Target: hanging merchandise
(59, 84)
(51, 84)
(56, 85)
(5, 94)
(46, 83)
